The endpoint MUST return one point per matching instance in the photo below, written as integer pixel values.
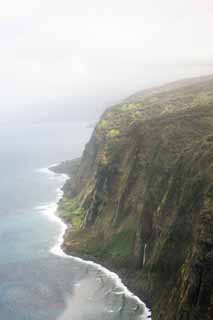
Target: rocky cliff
(141, 199)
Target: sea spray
(50, 211)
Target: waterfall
(144, 254)
(117, 210)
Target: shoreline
(58, 250)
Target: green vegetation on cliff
(71, 212)
(142, 197)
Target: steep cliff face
(143, 197)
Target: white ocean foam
(46, 170)
(50, 212)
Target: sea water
(37, 280)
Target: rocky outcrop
(145, 190)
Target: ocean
(37, 280)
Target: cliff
(141, 199)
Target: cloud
(74, 49)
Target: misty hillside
(141, 198)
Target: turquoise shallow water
(34, 283)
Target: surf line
(50, 211)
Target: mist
(70, 60)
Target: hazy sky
(84, 55)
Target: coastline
(119, 277)
(50, 211)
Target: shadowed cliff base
(141, 197)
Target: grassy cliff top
(161, 102)
(157, 102)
